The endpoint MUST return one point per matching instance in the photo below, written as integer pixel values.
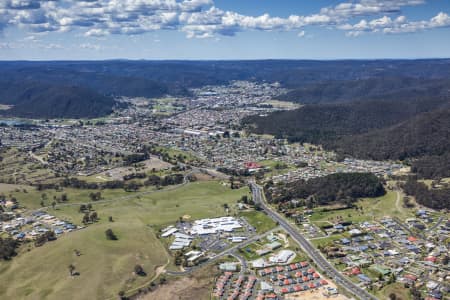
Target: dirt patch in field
(203, 177)
(182, 289)
(285, 239)
(317, 294)
(118, 173)
(197, 286)
(6, 188)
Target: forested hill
(426, 134)
(326, 123)
(415, 130)
(379, 88)
(38, 100)
(338, 187)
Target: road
(242, 261)
(407, 229)
(438, 222)
(313, 253)
(38, 158)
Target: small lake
(13, 122)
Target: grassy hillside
(106, 266)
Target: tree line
(338, 187)
(432, 198)
(8, 248)
(130, 185)
(432, 166)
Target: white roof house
(183, 236)
(167, 228)
(237, 239)
(192, 252)
(259, 263)
(195, 257)
(282, 257)
(176, 247)
(169, 232)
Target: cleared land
(283, 104)
(317, 294)
(196, 286)
(371, 208)
(166, 106)
(259, 220)
(398, 289)
(153, 163)
(19, 167)
(106, 267)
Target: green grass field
(173, 153)
(106, 267)
(31, 199)
(283, 104)
(259, 220)
(371, 208)
(396, 288)
(166, 106)
(272, 164)
(249, 252)
(325, 241)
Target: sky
(223, 29)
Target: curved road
(313, 253)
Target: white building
(215, 225)
(282, 257)
(169, 232)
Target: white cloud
(96, 32)
(347, 10)
(200, 18)
(90, 46)
(398, 25)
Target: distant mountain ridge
(94, 83)
(391, 88)
(38, 100)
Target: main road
(313, 253)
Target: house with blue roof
(345, 241)
(364, 278)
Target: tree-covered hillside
(38, 100)
(339, 187)
(379, 88)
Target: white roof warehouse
(215, 225)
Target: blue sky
(223, 29)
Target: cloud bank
(202, 19)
